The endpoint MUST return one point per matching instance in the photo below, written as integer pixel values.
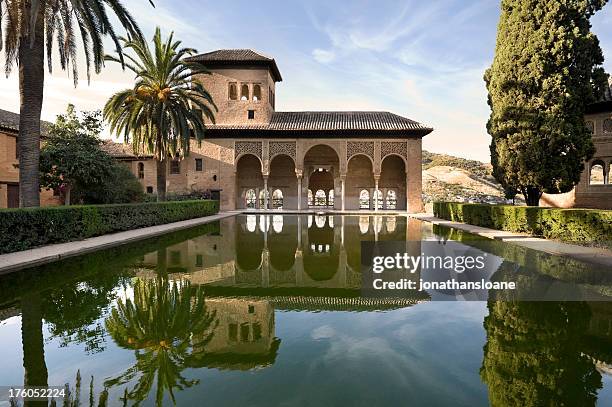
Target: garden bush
(26, 228)
(577, 225)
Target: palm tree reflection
(167, 325)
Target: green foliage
(71, 155)
(167, 325)
(546, 70)
(71, 160)
(533, 355)
(166, 107)
(577, 225)
(119, 186)
(25, 228)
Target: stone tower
(242, 85)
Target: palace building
(262, 158)
(595, 187)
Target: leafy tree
(547, 68)
(119, 186)
(72, 156)
(166, 107)
(32, 26)
(167, 325)
(533, 355)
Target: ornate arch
(248, 147)
(398, 148)
(242, 155)
(287, 148)
(331, 145)
(354, 148)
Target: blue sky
(420, 59)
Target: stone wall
(9, 173)
(236, 111)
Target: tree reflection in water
(160, 324)
(533, 355)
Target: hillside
(449, 178)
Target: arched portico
(321, 172)
(249, 181)
(392, 183)
(282, 177)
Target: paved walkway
(587, 254)
(34, 257)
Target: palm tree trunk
(31, 82)
(161, 180)
(34, 365)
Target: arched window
(256, 93)
(378, 196)
(277, 223)
(251, 223)
(364, 224)
(277, 199)
(320, 221)
(330, 198)
(244, 92)
(141, 170)
(310, 198)
(320, 198)
(391, 224)
(391, 199)
(364, 199)
(250, 199)
(264, 223)
(597, 173)
(233, 91)
(262, 195)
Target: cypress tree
(547, 69)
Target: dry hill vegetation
(455, 179)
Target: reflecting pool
(263, 310)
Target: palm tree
(32, 26)
(166, 107)
(167, 325)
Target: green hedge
(577, 225)
(25, 228)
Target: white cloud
(323, 56)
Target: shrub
(26, 228)
(117, 187)
(578, 225)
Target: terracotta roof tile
(121, 150)
(10, 121)
(226, 57)
(332, 121)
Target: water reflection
(209, 299)
(167, 326)
(536, 355)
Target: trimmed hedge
(25, 228)
(574, 225)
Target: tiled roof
(10, 121)
(121, 150)
(238, 57)
(331, 122)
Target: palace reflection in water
(191, 307)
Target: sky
(420, 59)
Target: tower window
(233, 91)
(251, 114)
(256, 93)
(140, 170)
(244, 92)
(198, 162)
(175, 167)
(149, 190)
